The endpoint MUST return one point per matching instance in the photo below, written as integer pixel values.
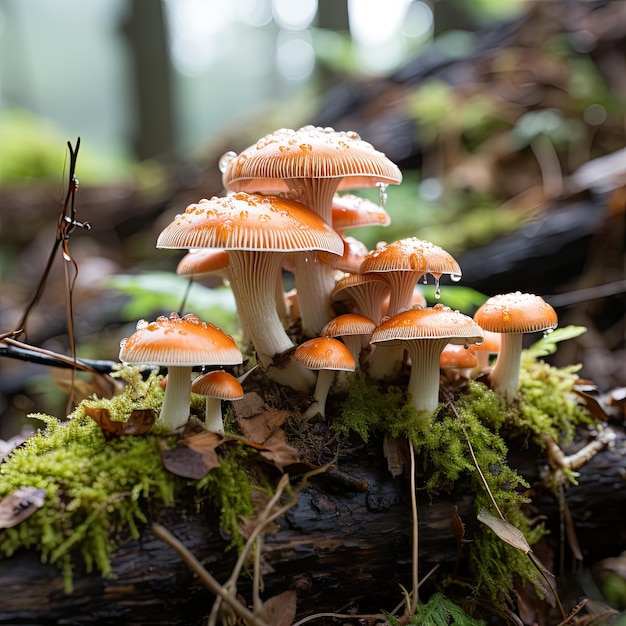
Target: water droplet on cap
(225, 159)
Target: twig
(205, 578)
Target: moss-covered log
(344, 545)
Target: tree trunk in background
(146, 35)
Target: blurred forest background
(507, 119)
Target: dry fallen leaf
(139, 422)
(194, 456)
(507, 532)
(260, 427)
(280, 610)
(20, 505)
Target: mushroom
(403, 262)
(217, 385)
(311, 164)
(458, 361)
(350, 211)
(512, 315)
(256, 231)
(326, 355)
(483, 351)
(353, 329)
(424, 334)
(178, 343)
(366, 291)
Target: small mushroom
(327, 355)
(178, 343)
(457, 361)
(512, 315)
(217, 385)
(425, 333)
(353, 329)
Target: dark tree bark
(346, 544)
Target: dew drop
(352, 134)
(455, 278)
(264, 218)
(225, 159)
(329, 353)
(382, 191)
(141, 324)
(123, 342)
(437, 289)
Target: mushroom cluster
(352, 308)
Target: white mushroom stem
(314, 280)
(322, 387)
(213, 419)
(402, 285)
(505, 373)
(253, 281)
(175, 409)
(423, 386)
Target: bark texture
(345, 545)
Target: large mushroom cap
(179, 341)
(309, 152)
(437, 322)
(516, 312)
(250, 222)
(411, 255)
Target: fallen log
(345, 545)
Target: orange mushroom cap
(349, 324)
(308, 153)
(218, 384)
(325, 353)
(457, 356)
(350, 211)
(201, 261)
(516, 312)
(179, 341)
(250, 222)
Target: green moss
(480, 422)
(99, 493)
(549, 405)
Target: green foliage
(366, 407)
(438, 611)
(159, 291)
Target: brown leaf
(505, 531)
(250, 405)
(194, 456)
(260, 427)
(20, 505)
(139, 422)
(278, 452)
(101, 385)
(280, 610)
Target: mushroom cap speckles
(324, 353)
(410, 255)
(179, 341)
(311, 153)
(244, 221)
(437, 322)
(218, 384)
(516, 312)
